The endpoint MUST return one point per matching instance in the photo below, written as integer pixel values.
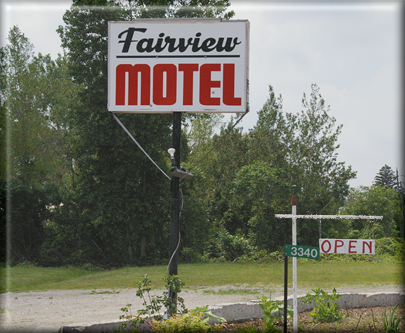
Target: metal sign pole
(175, 213)
(294, 242)
(285, 291)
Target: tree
(34, 147)
(249, 177)
(3, 159)
(321, 181)
(374, 200)
(303, 147)
(385, 177)
(117, 193)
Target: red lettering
(352, 246)
(188, 70)
(336, 244)
(132, 71)
(171, 84)
(369, 245)
(134, 84)
(206, 84)
(229, 86)
(330, 246)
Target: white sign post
(350, 245)
(178, 65)
(294, 260)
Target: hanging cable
(178, 243)
(133, 139)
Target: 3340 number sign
(301, 251)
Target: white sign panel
(185, 65)
(347, 246)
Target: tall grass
(322, 274)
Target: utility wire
(181, 191)
(178, 243)
(133, 139)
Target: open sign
(347, 246)
(183, 65)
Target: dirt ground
(47, 311)
(356, 320)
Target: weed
(152, 303)
(273, 313)
(232, 291)
(95, 292)
(207, 314)
(325, 308)
(194, 321)
(180, 321)
(391, 321)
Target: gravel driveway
(49, 310)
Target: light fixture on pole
(178, 172)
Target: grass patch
(232, 291)
(323, 274)
(110, 292)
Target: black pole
(175, 211)
(285, 292)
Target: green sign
(301, 251)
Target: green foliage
(391, 321)
(207, 314)
(385, 177)
(179, 321)
(189, 322)
(228, 247)
(3, 221)
(325, 306)
(391, 247)
(153, 304)
(35, 98)
(116, 193)
(373, 200)
(92, 198)
(246, 178)
(195, 320)
(273, 313)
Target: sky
(350, 50)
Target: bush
(394, 247)
(190, 322)
(227, 247)
(325, 308)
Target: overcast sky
(351, 51)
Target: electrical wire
(178, 243)
(133, 139)
(181, 191)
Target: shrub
(273, 312)
(227, 247)
(325, 309)
(394, 247)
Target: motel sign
(178, 65)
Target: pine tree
(385, 177)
